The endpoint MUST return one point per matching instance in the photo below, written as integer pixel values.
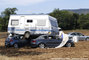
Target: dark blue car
(16, 42)
(44, 41)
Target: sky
(42, 6)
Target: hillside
(79, 11)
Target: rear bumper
(34, 45)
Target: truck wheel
(16, 45)
(41, 45)
(27, 35)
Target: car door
(57, 42)
(49, 41)
(44, 39)
(21, 42)
(81, 36)
(53, 42)
(22, 20)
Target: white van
(32, 25)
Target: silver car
(79, 35)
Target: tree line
(66, 20)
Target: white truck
(32, 25)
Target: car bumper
(34, 45)
(7, 44)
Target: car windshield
(18, 37)
(48, 37)
(76, 34)
(41, 37)
(79, 34)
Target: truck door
(22, 19)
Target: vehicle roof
(47, 35)
(28, 14)
(73, 32)
(34, 15)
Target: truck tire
(27, 35)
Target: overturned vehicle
(34, 25)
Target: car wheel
(68, 45)
(27, 35)
(41, 45)
(87, 39)
(16, 45)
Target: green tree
(84, 21)
(6, 14)
(1, 23)
(76, 17)
(65, 18)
